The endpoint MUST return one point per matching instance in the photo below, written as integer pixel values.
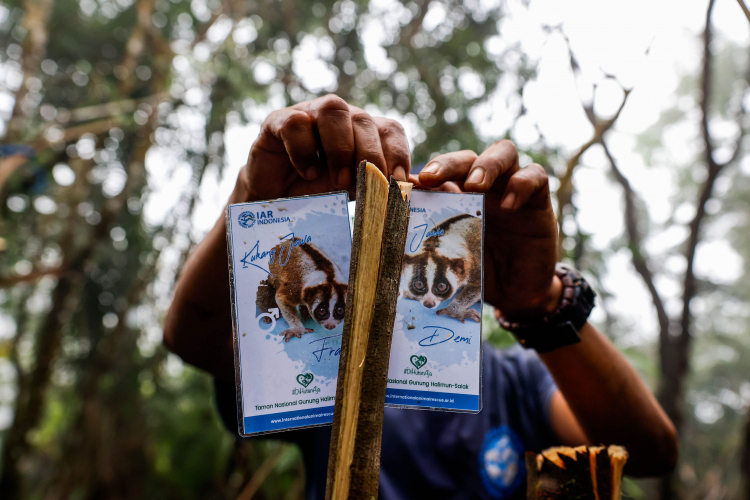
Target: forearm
(612, 404)
(198, 325)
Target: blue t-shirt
(434, 454)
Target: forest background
(123, 126)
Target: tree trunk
(674, 347)
(745, 463)
(29, 404)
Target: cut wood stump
(581, 473)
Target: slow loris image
(308, 280)
(448, 265)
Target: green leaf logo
(304, 379)
(418, 361)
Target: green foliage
(101, 409)
(95, 406)
(492, 332)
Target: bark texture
(366, 463)
(354, 474)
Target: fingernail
(431, 168)
(344, 178)
(311, 173)
(476, 177)
(508, 201)
(399, 173)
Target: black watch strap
(560, 328)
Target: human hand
(315, 146)
(520, 238)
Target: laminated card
(437, 336)
(289, 266)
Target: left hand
(315, 147)
(520, 238)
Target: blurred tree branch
(674, 346)
(29, 410)
(9, 165)
(744, 8)
(32, 276)
(675, 352)
(29, 402)
(114, 108)
(74, 133)
(22, 325)
(639, 257)
(601, 127)
(675, 364)
(135, 44)
(35, 19)
(261, 473)
(675, 334)
(106, 354)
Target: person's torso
(436, 455)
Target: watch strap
(560, 328)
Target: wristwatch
(560, 328)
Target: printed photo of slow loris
(309, 284)
(447, 266)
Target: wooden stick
(380, 226)
(365, 468)
(369, 222)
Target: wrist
(554, 295)
(543, 306)
(241, 192)
(572, 306)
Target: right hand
(315, 146)
(520, 236)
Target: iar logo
(246, 219)
(305, 379)
(501, 462)
(418, 361)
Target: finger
(395, 147)
(447, 167)
(449, 187)
(414, 179)
(529, 187)
(290, 131)
(498, 161)
(367, 141)
(332, 117)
